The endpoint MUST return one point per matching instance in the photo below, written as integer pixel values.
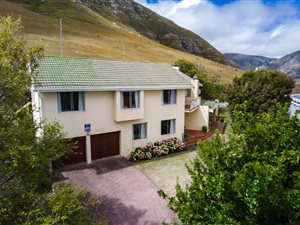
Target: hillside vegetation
(87, 34)
(156, 27)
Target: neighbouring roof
(211, 104)
(79, 74)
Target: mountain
(86, 33)
(289, 64)
(249, 62)
(155, 27)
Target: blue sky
(256, 27)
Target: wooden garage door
(79, 154)
(105, 145)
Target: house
(112, 107)
(295, 105)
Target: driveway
(128, 196)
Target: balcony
(191, 104)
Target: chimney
(176, 67)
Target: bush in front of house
(156, 149)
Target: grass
(88, 34)
(165, 171)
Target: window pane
(139, 131)
(168, 126)
(65, 101)
(132, 99)
(126, 103)
(136, 131)
(173, 96)
(71, 101)
(164, 127)
(75, 100)
(166, 96)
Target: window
(130, 99)
(188, 93)
(139, 131)
(70, 101)
(168, 126)
(169, 97)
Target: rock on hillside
(156, 27)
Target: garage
(105, 145)
(79, 154)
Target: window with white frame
(169, 97)
(167, 126)
(130, 99)
(70, 101)
(139, 131)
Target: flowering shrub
(156, 149)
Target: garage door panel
(79, 153)
(105, 145)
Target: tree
(212, 87)
(254, 178)
(261, 89)
(25, 160)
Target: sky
(254, 27)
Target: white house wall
(197, 119)
(100, 112)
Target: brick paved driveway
(129, 197)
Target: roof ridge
(105, 60)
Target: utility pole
(61, 38)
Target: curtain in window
(172, 127)
(173, 97)
(81, 101)
(143, 130)
(136, 99)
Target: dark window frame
(166, 127)
(138, 127)
(167, 98)
(70, 101)
(129, 99)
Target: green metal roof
(210, 104)
(70, 74)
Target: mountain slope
(249, 62)
(88, 34)
(289, 64)
(155, 27)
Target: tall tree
(254, 178)
(262, 90)
(212, 88)
(25, 160)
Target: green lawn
(165, 171)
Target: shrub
(204, 129)
(157, 149)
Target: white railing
(191, 103)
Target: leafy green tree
(212, 87)
(262, 89)
(253, 178)
(25, 160)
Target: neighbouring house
(295, 105)
(112, 107)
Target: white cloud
(248, 27)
